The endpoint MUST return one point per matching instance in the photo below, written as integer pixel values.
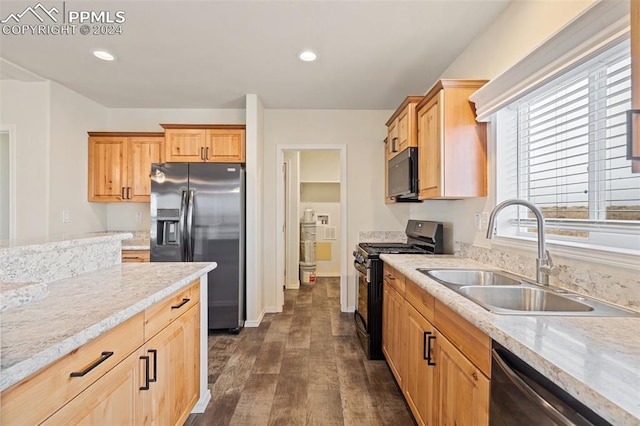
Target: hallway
(301, 367)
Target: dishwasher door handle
(525, 388)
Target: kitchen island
(39, 334)
(595, 359)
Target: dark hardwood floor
(301, 367)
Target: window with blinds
(563, 147)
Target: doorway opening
(312, 177)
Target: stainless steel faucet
(544, 263)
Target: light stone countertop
(81, 308)
(16, 247)
(13, 295)
(595, 359)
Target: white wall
(72, 115)
(5, 181)
(259, 287)
(363, 133)
(522, 26)
(26, 106)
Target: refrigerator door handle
(183, 234)
(189, 241)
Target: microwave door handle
(183, 234)
(514, 378)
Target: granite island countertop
(595, 359)
(81, 308)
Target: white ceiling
(209, 54)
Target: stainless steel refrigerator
(198, 215)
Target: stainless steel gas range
(423, 237)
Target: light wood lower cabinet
(173, 362)
(135, 256)
(461, 390)
(444, 367)
(113, 399)
(392, 334)
(421, 376)
(145, 380)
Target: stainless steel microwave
(402, 175)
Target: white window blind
(563, 147)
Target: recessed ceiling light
(307, 55)
(104, 55)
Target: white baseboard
(202, 403)
(293, 286)
(255, 323)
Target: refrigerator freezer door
(169, 184)
(218, 215)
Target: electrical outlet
(138, 216)
(477, 222)
(66, 216)
(484, 220)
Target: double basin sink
(504, 293)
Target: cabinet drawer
(35, 398)
(394, 279)
(468, 339)
(420, 299)
(166, 311)
(135, 256)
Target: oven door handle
(360, 268)
(359, 320)
(513, 376)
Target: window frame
(513, 144)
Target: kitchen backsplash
(620, 290)
(382, 237)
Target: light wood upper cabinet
(402, 133)
(200, 143)
(120, 163)
(451, 144)
(226, 145)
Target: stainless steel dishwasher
(521, 395)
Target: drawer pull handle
(146, 373)
(155, 364)
(184, 302)
(103, 358)
(391, 277)
(426, 347)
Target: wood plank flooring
(304, 366)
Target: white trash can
(307, 273)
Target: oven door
(361, 315)
(362, 294)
